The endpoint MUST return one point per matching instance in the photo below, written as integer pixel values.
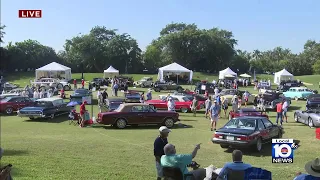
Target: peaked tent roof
(111, 70)
(228, 71)
(174, 67)
(53, 67)
(284, 72)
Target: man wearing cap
(158, 150)
(313, 170)
(214, 114)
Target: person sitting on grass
(171, 159)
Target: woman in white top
(171, 105)
(35, 94)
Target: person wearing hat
(214, 115)
(158, 148)
(313, 170)
(83, 113)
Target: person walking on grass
(158, 148)
(284, 110)
(218, 99)
(194, 106)
(171, 105)
(224, 104)
(208, 104)
(234, 103)
(82, 83)
(214, 115)
(279, 113)
(246, 98)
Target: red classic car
(183, 103)
(247, 112)
(137, 113)
(11, 104)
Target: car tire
(184, 109)
(280, 134)
(31, 118)
(296, 98)
(9, 110)
(258, 145)
(224, 146)
(169, 122)
(296, 118)
(157, 89)
(52, 116)
(67, 88)
(121, 123)
(310, 123)
(59, 86)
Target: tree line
(201, 50)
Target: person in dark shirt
(158, 150)
(104, 96)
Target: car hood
(235, 131)
(32, 109)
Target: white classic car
(144, 82)
(51, 83)
(180, 98)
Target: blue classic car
(79, 94)
(298, 93)
(45, 108)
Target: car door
(17, 103)
(150, 116)
(304, 116)
(24, 102)
(270, 130)
(136, 116)
(263, 131)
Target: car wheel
(296, 98)
(310, 122)
(296, 118)
(66, 88)
(9, 110)
(280, 134)
(121, 123)
(31, 118)
(258, 146)
(59, 86)
(157, 89)
(52, 116)
(184, 109)
(224, 146)
(169, 122)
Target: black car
(286, 85)
(208, 87)
(243, 132)
(271, 99)
(132, 96)
(166, 86)
(313, 102)
(99, 82)
(126, 79)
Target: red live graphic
(30, 13)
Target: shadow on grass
(12, 152)
(294, 108)
(293, 124)
(58, 119)
(188, 120)
(139, 127)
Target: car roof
(135, 104)
(115, 99)
(298, 88)
(49, 99)
(251, 117)
(247, 109)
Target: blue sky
(257, 24)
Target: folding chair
(74, 119)
(173, 173)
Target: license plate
(230, 138)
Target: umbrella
(245, 75)
(73, 103)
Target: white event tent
(110, 72)
(282, 75)
(54, 70)
(226, 73)
(174, 68)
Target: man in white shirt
(284, 110)
(171, 105)
(216, 91)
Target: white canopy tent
(54, 70)
(282, 75)
(110, 72)
(174, 68)
(227, 71)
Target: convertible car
(310, 117)
(135, 114)
(246, 112)
(246, 132)
(182, 103)
(45, 108)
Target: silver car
(310, 117)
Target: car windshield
(249, 124)
(81, 91)
(248, 110)
(43, 104)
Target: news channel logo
(282, 150)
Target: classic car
(313, 102)
(99, 82)
(132, 96)
(79, 93)
(114, 103)
(6, 86)
(47, 83)
(45, 108)
(144, 82)
(2, 96)
(271, 99)
(11, 104)
(309, 117)
(246, 112)
(265, 89)
(264, 84)
(202, 87)
(243, 132)
(165, 86)
(229, 94)
(297, 93)
(182, 104)
(286, 85)
(186, 97)
(137, 113)
(126, 79)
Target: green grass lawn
(48, 149)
